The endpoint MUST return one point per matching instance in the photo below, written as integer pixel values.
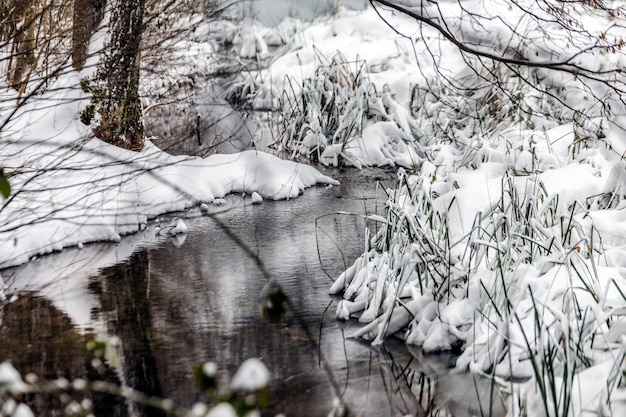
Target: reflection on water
(174, 307)
(41, 340)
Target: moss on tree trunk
(86, 16)
(120, 112)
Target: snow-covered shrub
(12, 385)
(247, 394)
(327, 108)
(478, 104)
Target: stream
(174, 304)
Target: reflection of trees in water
(125, 303)
(37, 338)
(40, 339)
(419, 384)
(172, 314)
(174, 308)
(386, 381)
(199, 313)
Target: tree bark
(121, 122)
(18, 29)
(87, 15)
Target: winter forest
(215, 208)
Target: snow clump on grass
(251, 376)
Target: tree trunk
(18, 29)
(121, 122)
(87, 16)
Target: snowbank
(65, 196)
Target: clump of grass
(488, 97)
(327, 108)
(332, 108)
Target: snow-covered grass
(515, 269)
(338, 115)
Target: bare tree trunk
(121, 122)
(86, 17)
(17, 24)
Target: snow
(3, 288)
(113, 192)
(210, 369)
(13, 409)
(9, 375)
(198, 410)
(176, 226)
(256, 198)
(252, 375)
(222, 410)
(504, 235)
(11, 381)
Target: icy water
(176, 304)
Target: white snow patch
(252, 375)
(9, 375)
(112, 192)
(256, 198)
(222, 410)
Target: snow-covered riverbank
(504, 236)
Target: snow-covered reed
(337, 116)
(504, 252)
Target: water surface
(176, 304)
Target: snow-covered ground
(504, 235)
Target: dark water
(174, 307)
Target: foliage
(547, 36)
(479, 105)
(455, 264)
(456, 261)
(5, 187)
(332, 115)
